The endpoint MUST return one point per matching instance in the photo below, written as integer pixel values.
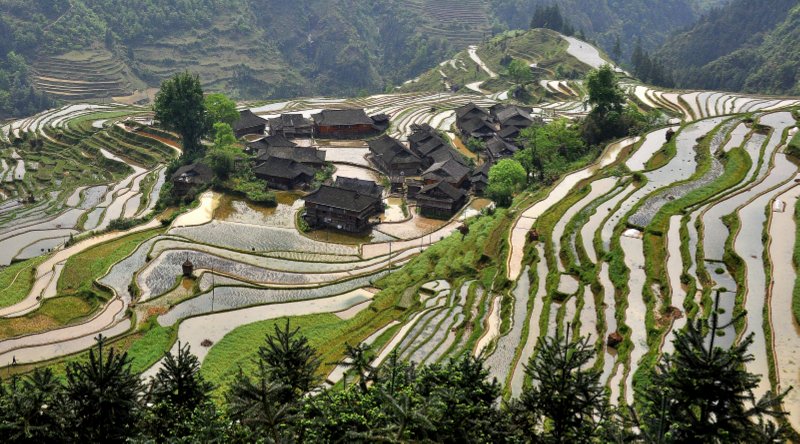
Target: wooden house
(274, 141)
(291, 126)
(393, 158)
(344, 124)
(249, 123)
(342, 207)
(448, 171)
(284, 174)
(440, 200)
(480, 178)
(497, 148)
(189, 177)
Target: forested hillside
(740, 47)
(606, 20)
(248, 48)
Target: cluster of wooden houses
(427, 169)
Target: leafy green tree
(604, 93)
(180, 106)
(548, 149)
(220, 109)
(520, 72)
(505, 178)
(101, 397)
(703, 393)
(566, 402)
(223, 155)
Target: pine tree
(101, 397)
(702, 393)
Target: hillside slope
(740, 48)
(248, 48)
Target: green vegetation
(180, 107)
(756, 49)
(82, 269)
(505, 178)
(16, 281)
(796, 259)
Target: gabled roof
(271, 141)
(504, 112)
(361, 186)
(444, 153)
(471, 109)
(390, 149)
(283, 168)
(342, 117)
(476, 125)
(421, 133)
(196, 173)
(289, 120)
(430, 145)
(449, 169)
(483, 171)
(497, 146)
(443, 187)
(247, 119)
(509, 132)
(301, 155)
(342, 198)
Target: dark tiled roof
(361, 186)
(446, 153)
(445, 188)
(301, 155)
(289, 120)
(248, 120)
(421, 133)
(196, 173)
(449, 169)
(497, 146)
(342, 198)
(271, 141)
(283, 168)
(504, 112)
(342, 117)
(391, 150)
(509, 132)
(476, 125)
(471, 109)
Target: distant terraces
(81, 76)
(461, 22)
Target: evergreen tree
(358, 360)
(566, 402)
(27, 408)
(175, 392)
(290, 361)
(102, 395)
(702, 393)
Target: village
(425, 171)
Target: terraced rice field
(613, 257)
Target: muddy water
(749, 246)
(674, 270)
(393, 211)
(599, 188)
(559, 192)
(588, 315)
(518, 376)
(727, 303)
(204, 213)
(637, 310)
(492, 326)
(232, 209)
(786, 331)
(694, 238)
(594, 223)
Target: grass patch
(54, 313)
(16, 281)
(239, 348)
(84, 268)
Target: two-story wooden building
(249, 123)
(344, 124)
(342, 206)
(393, 158)
(440, 200)
(188, 177)
(284, 174)
(293, 126)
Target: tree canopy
(180, 106)
(505, 178)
